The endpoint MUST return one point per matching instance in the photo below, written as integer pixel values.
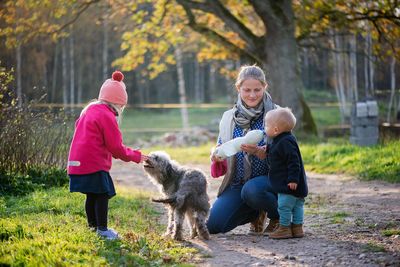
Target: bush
(33, 143)
(12, 183)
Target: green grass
(333, 156)
(325, 116)
(373, 247)
(196, 155)
(380, 162)
(339, 217)
(48, 228)
(390, 232)
(319, 96)
(159, 121)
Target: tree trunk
(54, 82)
(181, 88)
(392, 88)
(72, 69)
(306, 69)
(80, 74)
(371, 65)
(64, 72)
(338, 70)
(18, 74)
(197, 93)
(45, 71)
(353, 67)
(212, 84)
(281, 60)
(206, 83)
(105, 47)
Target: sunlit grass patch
(390, 232)
(339, 217)
(316, 201)
(373, 247)
(378, 162)
(49, 228)
(184, 155)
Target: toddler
(286, 173)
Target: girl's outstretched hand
(143, 158)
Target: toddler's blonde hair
(283, 118)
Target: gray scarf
(244, 116)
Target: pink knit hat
(114, 90)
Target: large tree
(265, 34)
(271, 37)
(225, 30)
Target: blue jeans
(241, 204)
(291, 209)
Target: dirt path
(344, 220)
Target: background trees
(67, 48)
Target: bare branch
(204, 30)
(232, 22)
(82, 8)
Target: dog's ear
(169, 170)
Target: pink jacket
(97, 138)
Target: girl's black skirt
(98, 182)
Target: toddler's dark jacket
(286, 165)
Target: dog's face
(158, 165)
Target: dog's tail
(165, 200)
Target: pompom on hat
(114, 90)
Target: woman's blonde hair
(250, 72)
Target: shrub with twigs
(33, 143)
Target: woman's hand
(215, 157)
(258, 151)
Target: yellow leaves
(170, 59)
(156, 68)
(138, 17)
(214, 52)
(59, 12)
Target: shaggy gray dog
(185, 192)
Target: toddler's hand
(292, 186)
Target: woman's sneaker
(109, 234)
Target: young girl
(96, 140)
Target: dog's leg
(192, 223)
(201, 225)
(179, 218)
(171, 220)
